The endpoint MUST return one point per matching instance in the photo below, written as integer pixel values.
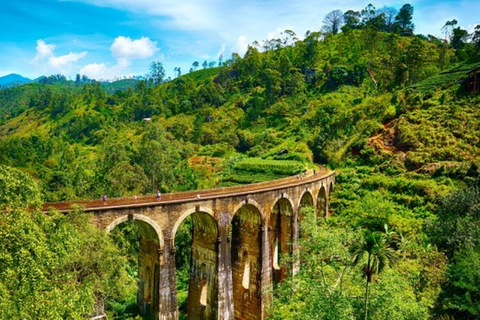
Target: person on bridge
(104, 197)
(159, 194)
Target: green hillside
(389, 111)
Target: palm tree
(379, 256)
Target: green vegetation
(49, 269)
(387, 109)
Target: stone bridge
(238, 237)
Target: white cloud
(46, 61)
(95, 71)
(241, 46)
(124, 50)
(128, 49)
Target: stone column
(295, 236)
(327, 200)
(266, 286)
(168, 284)
(225, 282)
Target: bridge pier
(148, 273)
(168, 285)
(266, 284)
(225, 287)
(295, 236)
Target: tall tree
(178, 71)
(379, 255)
(333, 21)
(195, 65)
(368, 13)
(448, 28)
(476, 36)
(389, 14)
(404, 19)
(459, 38)
(157, 73)
(351, 20)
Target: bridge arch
(184, 215)
(150, 242)
(250, 202)
(284, 196)
(322, 205)
(202, 262)
(158, 232)
(306, 200)
(281, 235)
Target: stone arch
(203, 269)
(246, 255)
(184, 215)
(306, 200)
(283, 196)
(250, 202)
(150, 244)
(322, 205)
(280, 236)
(139, 217)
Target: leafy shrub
(287, 167)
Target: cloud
(95, 71)
(47, 62)
(124, 48)
(241, 46)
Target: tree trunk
(366, 300)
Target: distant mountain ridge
(13, 79)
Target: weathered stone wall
(280, 237)
(203, 284)
(246, 263)
(148, 273)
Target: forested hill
(389, 110)
(361, 96)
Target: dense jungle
(394, 113)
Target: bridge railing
(63, 206)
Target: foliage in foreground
(55, 266)
(456, 231)
(330, 286)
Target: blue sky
(107, 39)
